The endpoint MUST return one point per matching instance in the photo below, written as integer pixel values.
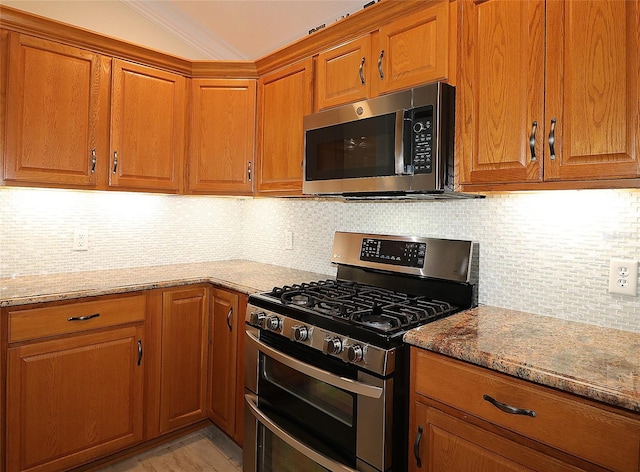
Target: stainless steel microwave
(399, 144)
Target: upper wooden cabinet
(63, 132)
(415, 49)
(548, 92)
(223, 137)
(58, 109)
(401, 54)
(343, 74)
(284, 98)
(148, 119)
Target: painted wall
(546, 253)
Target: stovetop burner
(375, 309)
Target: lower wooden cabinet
(455, 426)
(72, 399)
(226, 371)
(183, 357)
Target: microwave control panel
(422, 140)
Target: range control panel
(401, 253)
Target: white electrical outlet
(288, 240)
(81, 239)
(623, 276)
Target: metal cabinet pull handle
(552, 139)
(380, 64)
(139, 351)
(362, 71)
(512, 410)
(94, 159)
(532, 140)
(249, 171)
(115, 161)
(416, 447)
(83, 318)
(229, 318)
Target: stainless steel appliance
(396, 144)
(326, 373)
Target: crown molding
(185, 29)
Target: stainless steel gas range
(326, 371)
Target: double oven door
(307, 412)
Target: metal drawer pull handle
(532, 140)
(249, 171)
(94, 159)
(83, 318)
(139, 351)
(229, 318)
(552, 139)
(512, 410)
(115, 161)
(380, 64)
(416, 447)
(362, 71)
(353, 386)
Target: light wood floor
(207, 449)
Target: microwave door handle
(302, 448)
(349, 385)
(399, 143)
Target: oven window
(277, 456)
(330, 400)
(361, 148)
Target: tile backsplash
(544, 252)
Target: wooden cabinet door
(222, 359)
(57, 114)
(343, 74)
(592, 89)
(184, 353)
(444, 443)
(222, 136)
(414, 50)
(500, 91)
(148, 119)
(284, 97)
(74, 399)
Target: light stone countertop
(240, 275)
(599, 363)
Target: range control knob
(257, 318)
(299, 333)
(354, 353)
(274, 323)
(332, 346)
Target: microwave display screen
(401, 253)
(361, 148)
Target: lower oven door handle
(349, 385)
(302, 448)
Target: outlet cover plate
(623, 276)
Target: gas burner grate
(376, 309)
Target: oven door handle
(349, 385)
(302, 448)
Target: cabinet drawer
(34, 323)
(573, 426)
